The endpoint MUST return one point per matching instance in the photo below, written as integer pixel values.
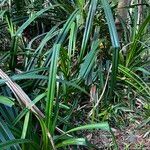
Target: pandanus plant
(74, 61)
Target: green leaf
(89, 61)
(25, 125)
(72, 40)
(46, 136)
(74, 141)
(26, 110)
(88, 27)
(30, 20)
(111, 24)
(102, 126)
(115, 43)
(52, 33)
(6, 134)
(146, 72)
(6, 101)
(134, 80)
(80, 3)
(132, 51)
(52, 85)
(2, 12)
(8, 144)
(53, 69)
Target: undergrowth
(64, 70)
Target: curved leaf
(6, 101)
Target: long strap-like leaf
(114, 40)
(20, 95)
(88, 27)
(53, 69)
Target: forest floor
(127, 138)
(133, 136)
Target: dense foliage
(64, 69)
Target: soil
(129, 138)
